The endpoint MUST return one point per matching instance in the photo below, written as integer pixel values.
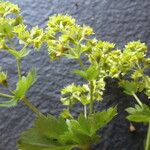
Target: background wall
(118, 21)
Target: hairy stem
(31, 106)
(25, 100)
(137, 99)
(85, 111)
(6, 95)
(81, 63)
(91, 97)
(147, 146)
(19, 68)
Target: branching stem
(85, 111)
(19, 68)
(91, 97)
(81, 63)
(6, 95)
(31, 106)
(25, 100)
(137, 99)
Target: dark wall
(118, 21)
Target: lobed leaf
(139, 114)
(50, 133)
(24, 85)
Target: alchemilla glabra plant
(65, 38)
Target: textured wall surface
(118, 21)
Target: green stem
(81, 63)
(85, 111)
(147, 146)
(137, 99)
(32, 107)
(25, 100)
(6, 95)
(91, 97)
(19, 68)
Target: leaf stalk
(91, 97)
(147, 146)
(31, 106)
(19, 68)
(137, 99)
(6, 95)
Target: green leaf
(100, 119)
(55, 126)
(66, 114)
(46, 135)
(139, 114)
(85, 129)
(6, 30)
(89, 74)
(81, 125)
(130, 87)
(24, 85)
(18, 20)
(18, 54)
(137, 74)
(50, 133)
(81, 73)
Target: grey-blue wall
(118, 21)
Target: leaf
(89, 74)
(100, 119)
(137, 74)
(81, 125)
(84, 130)
(14, 53)
(18, 20)
(24, 146)
(24, 85)
(130, 87)
(81, 73)
(66, 114)
(45, 135)
(6, 30)
(23, 52)
(50, 133)
(19, 54)
(139, 114)
(10, 103)
(80, 131)
(55, 126)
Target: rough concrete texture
(118, 21)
